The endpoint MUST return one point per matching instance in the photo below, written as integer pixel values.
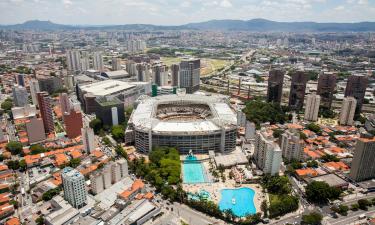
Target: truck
(362, 216)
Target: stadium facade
(200, 123)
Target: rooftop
(107, 87)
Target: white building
(85, 63)
(189, 76)
(124, 167)
(312, 107)
(267, 154)
(73, 59)
(116, 64)
(97, 183)
(348, 111)
(74, 187)
(107, 176)
(160, 75)
(98, 61)
(249, 130)
(291, 145)
(88, 138)
(34, 88)
(115, 172)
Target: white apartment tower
(85, 63)
(312, 107)
(291, 145)
(74, 187)
(107, 176)
(34, 88)
(115, 172)
(97, 183)
(73, 59)
(348, 111)
(124, 167)
(98, 61)
(88, 138)
(116, 64)
(267, 154)
(20, 96)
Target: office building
(98, 61)
(356, 87)
(275, 85)
(326, 87)
(363, 166)
(267, 154)
(34, 88)
(88, 139)
(297, 89)
(73, 59)
(116, 64)
(110, 110)
(175, 70)
(64, 103)
(97, 183)
(347, 112)
(50, 84)
(189, 77)
(312, 107)
(35, 130)
(20, 96)
(74, 187)
(45, 109)
(160, 75)
(291, 145)
(73, 123)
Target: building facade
(175, 70)
(45, 109)
(297, 89)
(73, 59)
(275, 85)
(312, 107)
(291, 145)
(73, 123)
(35, 130)
(20, 96)
(34, 88)
(347, 112)
(326, 87)
(356, 87)
(189, 76)
(363, 166)
(88, 139)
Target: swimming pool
(193, 171)
(240, 201)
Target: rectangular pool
(193, 173)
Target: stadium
(199, 123)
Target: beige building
(35, 130)
(291, 145)
(267, 154)
(348, 111)
(97, 183)
(363, 166)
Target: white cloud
(226, 4)
(363, 2)
(339, 8)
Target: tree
(13, 164)
(7, 105)
(314, 127)
(282, 204)
(48, 195)
(354, 207)
(40, 220)
(118, 133)
(22, 165)
(330, 158)
(363, 204)
(312, 163)
(277, 133)
(14, 147)
(302, 136)
(321, 192)
(74, 162)
(277, 184)
(313, 218)
(341, 209)
(121, 152)
(96, 124)
(37, 149)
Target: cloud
(339, 8)
(363, 2)
(67, 3)
(226, 4)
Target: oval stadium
(200, 123)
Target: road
(351, 218)
(194, 217)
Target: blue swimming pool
(240, 201)
(193, 171)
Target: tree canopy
(313, 218)
(14, 147)
(96, 125)
(118, 133)
(321, 192)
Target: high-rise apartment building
(116, 64)
(73, 59)
(34, 88)
(160, 75)
(267, 154)
(45, 109)
(347, 112)
(312, 107)
(74, 187)
(50, 84)
(356, 87)
(98, 61)
(363, 166)
(175, 70)
(73, 123)
(143, 72)
(189, 76)
(97, 182)
(115, 172)
(88, 139)
(21, 80)
(107, 176)
(326, 87)
(20, 96)
(275, 85)
(292, 145)
(297, 89)
(85, 63)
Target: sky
(177, 12)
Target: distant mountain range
(255, 25)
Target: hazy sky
(174, 12)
